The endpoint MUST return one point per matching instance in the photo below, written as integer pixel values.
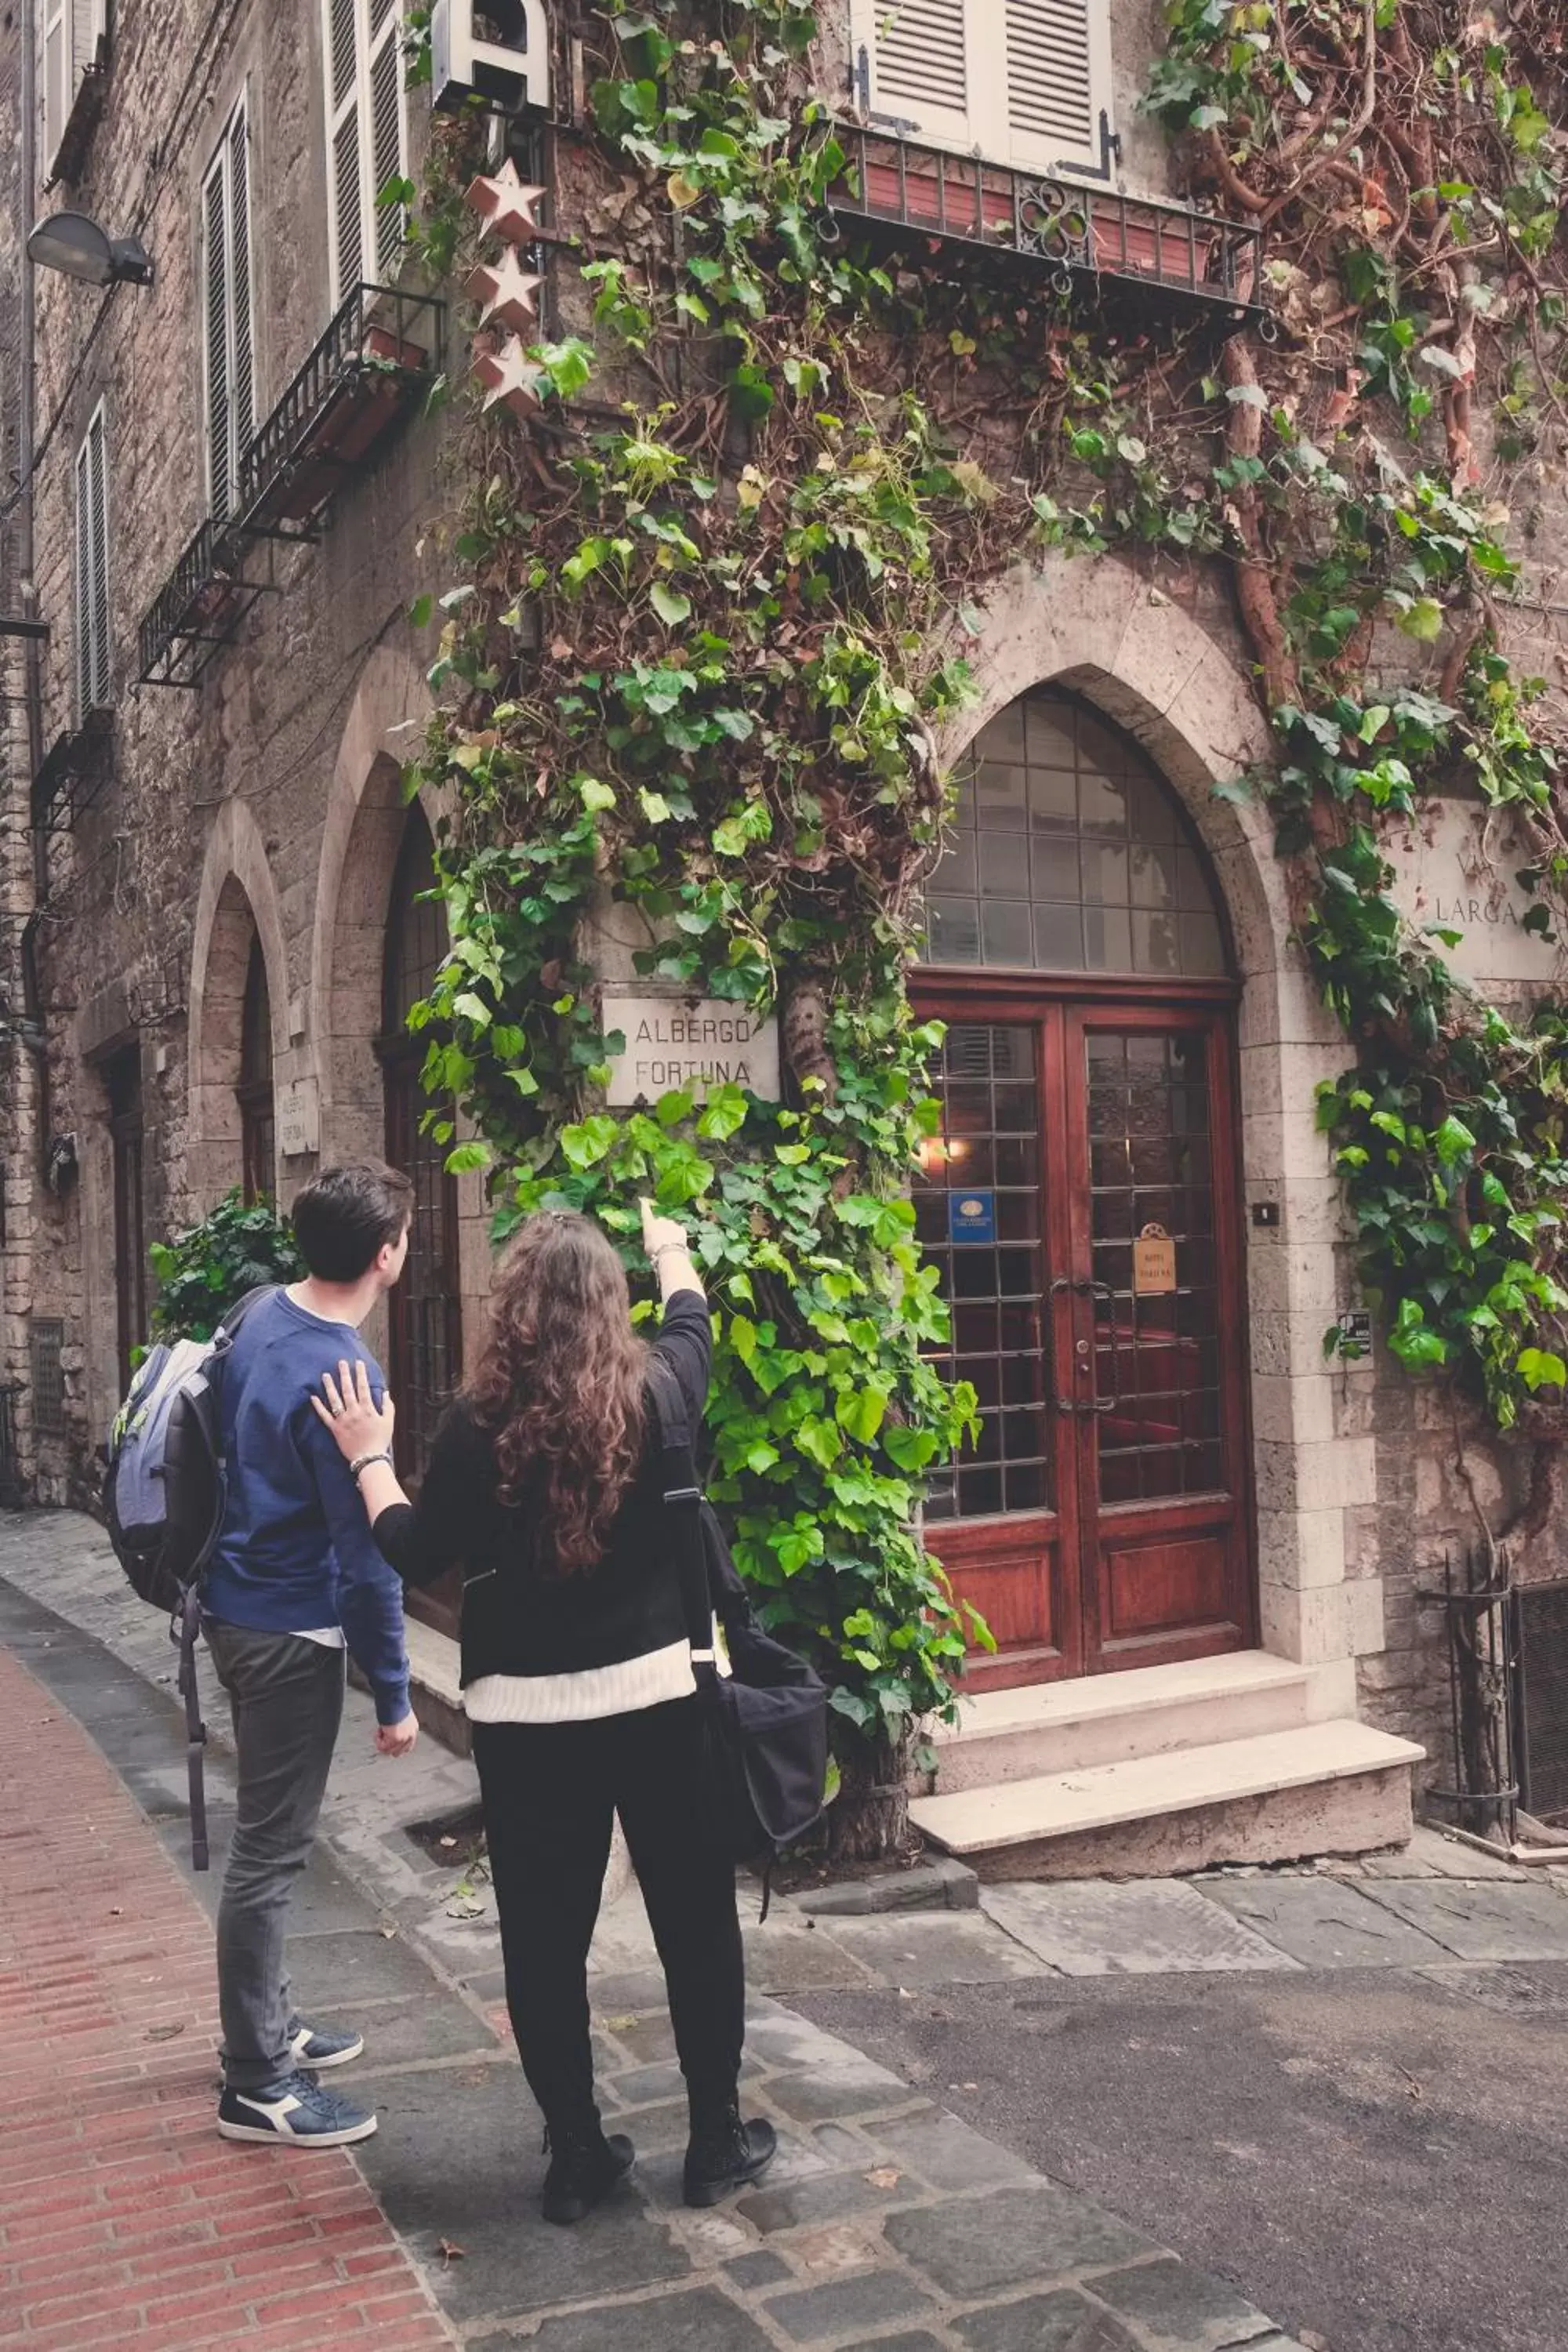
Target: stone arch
(237, 902)
(360, 840)
(1098, 627)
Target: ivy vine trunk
(726, 553)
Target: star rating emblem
(506, 291)
(507, 204)
(511, 379)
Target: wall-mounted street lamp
(74, 244)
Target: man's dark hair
(345, 1216)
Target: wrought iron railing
(1480, 1617)
(377, 351)
(74, 771)
(1079, 235)
(198, 609)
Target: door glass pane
(1157, 1353)
(1067, 852)
(978, 1205)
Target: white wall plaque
(1455, 865)
(299, 1116)
(673, 1042)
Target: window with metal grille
(1020, 81)
(46, 1340)
(1541, 1689)
(367, 140)
(227, 311)
(71, 33)
(94, 668)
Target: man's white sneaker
(295, 2112)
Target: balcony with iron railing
(1084, 239)
(73, 773)
(375, 357)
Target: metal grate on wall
(47, 1339)
(1543, 1699)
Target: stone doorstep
(1067, 1726)
(436, 1686)
(1282, 1796)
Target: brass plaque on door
(1153, 1262)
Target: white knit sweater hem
(657, 1676)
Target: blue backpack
(165, 1492)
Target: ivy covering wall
(715, 606)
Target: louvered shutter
(367, 140)
(220, 441)
(1019, 81)
(92, 643)
(55, 79)
(242, 380)
(922, 62)
(1057, 82)
(345, 175)
(388, 145)
(230, 368)
(98, 514)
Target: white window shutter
(92, 630)
(388, 136)
(220, 442)
(98, 470)
(55, 78)
(345, 174)
(920, 64)
(367, 138)
(1058, 82)
(230, 368)
(1018, 82)
(242, 380)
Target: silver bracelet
(361, 1462)
(667, 1249)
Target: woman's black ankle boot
(724, 2153)
(585, 2166)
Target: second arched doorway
(1082, 1200)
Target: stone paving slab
(975, 2246)
(1325, 1923)
(1063, 2322)
(928, 1948)
(1094, 1928)
(1481, 1923)
(1430, 1855)
(1534, 1994)
(1180, 2310)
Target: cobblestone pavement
(887, 2221)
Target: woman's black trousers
(551, 1794)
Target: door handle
(1097, 1290)
(1064, 1402)
(1083, 1288)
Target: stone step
(436, 1687)
(1279, 1796)
(1021, 1735)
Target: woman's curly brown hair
(559, 1386)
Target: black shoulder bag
(766, 1720)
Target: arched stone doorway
(238, 1015)
(1083, 1200)
(253, 1093)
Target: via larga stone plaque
(675, 1042)
(1455, 865)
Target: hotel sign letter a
(673, 1043)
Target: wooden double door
(1083, 1203)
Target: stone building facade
(211, 896)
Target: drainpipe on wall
(31, 1029)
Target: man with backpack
(294, 1578)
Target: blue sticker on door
(970, 1217)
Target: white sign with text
(673, 1042)
(298, 1118)
(1456, 864)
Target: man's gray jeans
(285, 1696)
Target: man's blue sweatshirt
(296, 1552)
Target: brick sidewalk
(124, 2220)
